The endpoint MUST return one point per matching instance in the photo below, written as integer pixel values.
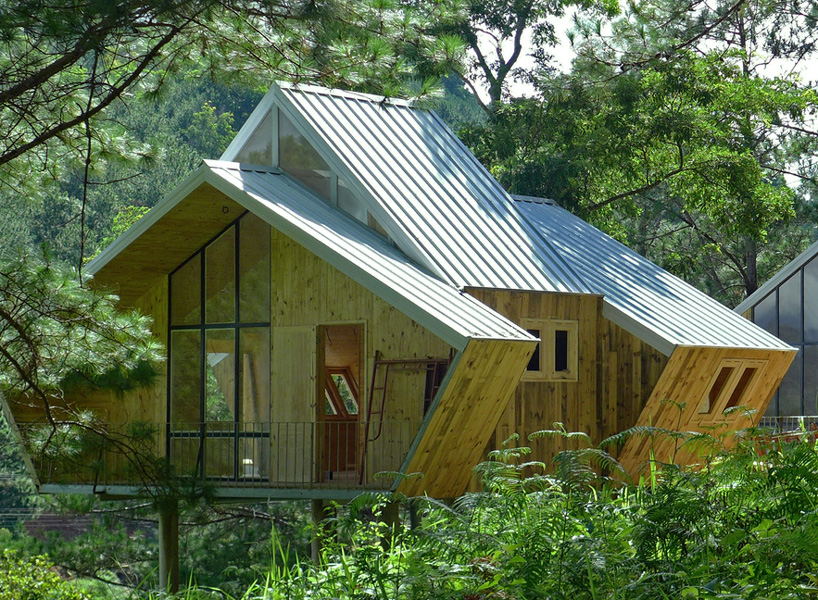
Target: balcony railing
(304, 455)
(793, 424)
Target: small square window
(556, 357)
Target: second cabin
(349, 302)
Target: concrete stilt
(414, 515)
(169, 545)
(318, 515)
(390, 515)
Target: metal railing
(791, 424)
(302, 455)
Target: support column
(169, 545)
(318, 531)
(414, 514)
(390, 515)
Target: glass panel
(375, 224)
(534, 361)
(811, 380)
(789, 394)
(220, 372)
(185, 379)
(254, 270)
(298, 158)
(254, 376)
(220, 454)
(789, 310)
(345, 392)
(560, 350)
(811, 301)
(765, 314)
(350, 203)
(185, 300)
(710, 400)
(259, 148)
(220, 279)
(329, 407)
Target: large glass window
(259, 148)
(791, 312)
(219, 385)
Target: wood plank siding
(679, 400)
(454, 440)
(617, 373)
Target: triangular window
(297, 157)
(259, 148)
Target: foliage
(63, 63)
(673, 133)
(32, 579)
(54, 331)
(495, 33)
(742, 525)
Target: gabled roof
(427, 190)
(776, 280)
(337, 238)
(641, 297)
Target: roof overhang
(226, 189)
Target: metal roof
(639, 296)
(427, 190)
(352, 248)
(776, 280)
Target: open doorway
(343, 356)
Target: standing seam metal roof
(430, 187)
(674, 311)
(364, 255)
(444, 209)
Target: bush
(32, 578)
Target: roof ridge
(347, 94)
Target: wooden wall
(454, 440)
(308, 292)
(617, 373)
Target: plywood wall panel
(455, 437)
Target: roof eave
(179, 193)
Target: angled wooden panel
(465, 417)
(679, 400)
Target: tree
(495, 32)
(666, 117)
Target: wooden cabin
(787, 307)
(351, 302)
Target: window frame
(712, 411)
(201, 429)
(547, 349)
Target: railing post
(169, 545)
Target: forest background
(686, 130)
